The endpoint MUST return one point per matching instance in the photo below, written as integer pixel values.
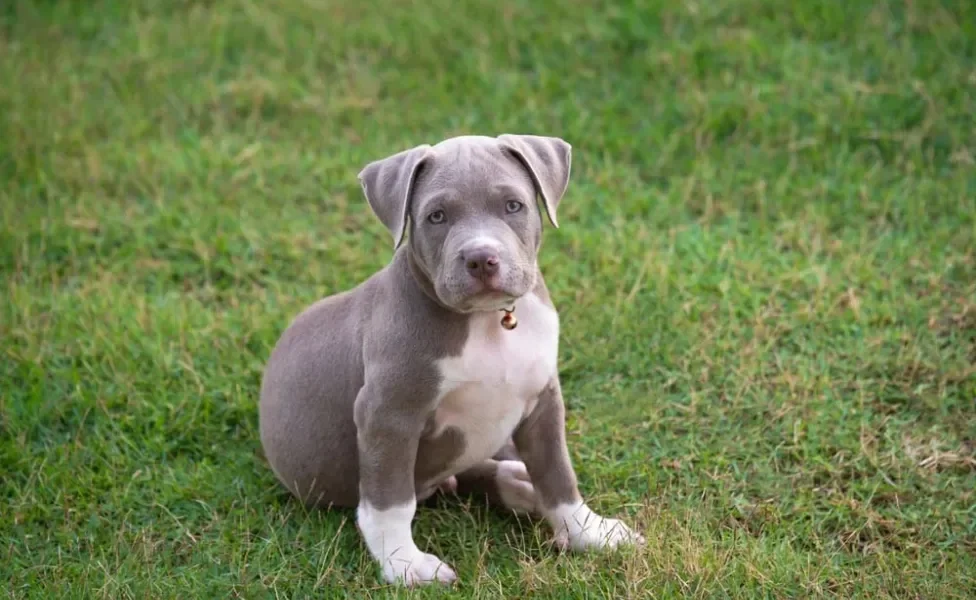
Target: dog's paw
(515, 488)
(448, 486)
(580, 529)
(416, 568)
(605, 534)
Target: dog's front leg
(387, 436)
(541, 442)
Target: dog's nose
(481, 262)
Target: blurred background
(766, 272)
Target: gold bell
(509, 321)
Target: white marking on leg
(515, 487)
(388, 537)
(578, 528)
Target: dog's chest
(494, 383)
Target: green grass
(766, 273)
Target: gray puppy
(378, 396)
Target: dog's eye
(436, 217)
(513, 206)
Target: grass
(766, 273)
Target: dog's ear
(388, 186)
(548, 161)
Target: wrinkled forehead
(471, 172)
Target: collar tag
(509, 321)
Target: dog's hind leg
(503, 481)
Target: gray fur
(387, 185)
(317, 409)
(541, 442)
(349, 391)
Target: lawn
(766, 272)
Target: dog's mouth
(493, 286)
(465, 294)
(495, 293)
(489, 299)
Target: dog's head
(470, 206)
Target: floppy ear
(388, 185)
(548, 160)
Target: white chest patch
(495, 382)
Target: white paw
(416, 568)
(579, 528)
(515, 487)
(387, 536)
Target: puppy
(440, 370)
